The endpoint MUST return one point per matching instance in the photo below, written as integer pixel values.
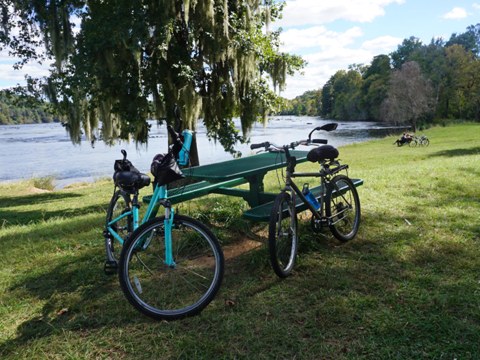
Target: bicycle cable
(279, 156)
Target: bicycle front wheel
(119, 204)
(282, 235)
(342, 208)
(171, 292)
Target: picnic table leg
(256, 188)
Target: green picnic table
(251, 169)
(224, 177)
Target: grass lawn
(407, 287)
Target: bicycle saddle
(325, 152)
(131, 180)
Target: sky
(333, 34)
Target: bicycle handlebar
(177, 141)
(270, 146)
(319, 141)
(265, 145)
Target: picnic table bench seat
(262, 212)
(195, 190)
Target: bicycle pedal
(110, 267)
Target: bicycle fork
(168, 225)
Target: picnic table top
(243, 167)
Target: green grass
(44, 183)
(408, 287)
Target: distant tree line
(416, 84)
(16, 110)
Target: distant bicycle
(422, 140)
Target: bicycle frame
(290, 185)
(159, 197)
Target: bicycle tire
(343, 208)
(282, 235)
(169, 293)
(426, 142)
(119, 204)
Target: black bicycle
(335, 203)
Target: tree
(341, 95)
(404, 51)
(347, 103)
(375, 84)
(469, 40)
(432, 61)
(327, 98)
(461, 94)
(410, 97)
(131, 60)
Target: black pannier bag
(127, 176)
(165, 169)
(124, 165)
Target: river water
(41, 150)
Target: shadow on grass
(36, 198)
(457, 152)
(76, 295)
(12, 218)
(343, 296)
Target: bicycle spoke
(182, 290)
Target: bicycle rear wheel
(119, 204)
(342, 207)
(171, 292)
(282, 235)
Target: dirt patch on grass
(34, 190)
(240, 247)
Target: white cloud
(336, 56)
(476, 6)
(456, 13)
(317, 37)
(382, 44)
(315, 12)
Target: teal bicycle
(170, 266)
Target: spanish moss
(129, 62)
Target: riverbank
(406, 287)
(31, 148)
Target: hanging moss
(133, 60)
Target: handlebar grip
(172, 132)
(260, 145)
(319, 141)
(177, 141)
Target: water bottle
(310, 197)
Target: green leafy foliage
(17, 110)
(203, 59)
